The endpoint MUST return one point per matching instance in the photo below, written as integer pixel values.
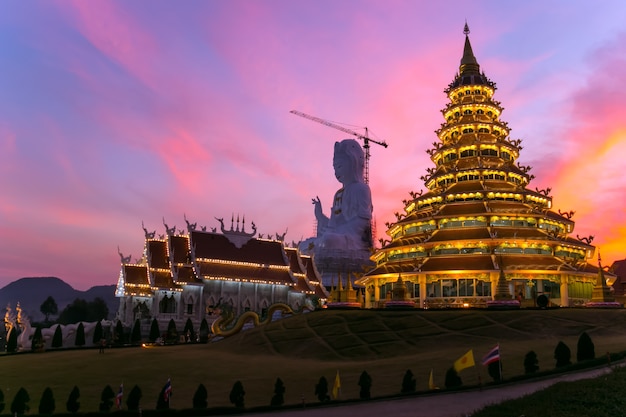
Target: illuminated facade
(186, 275)
(479, 217)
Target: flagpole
(500, 363)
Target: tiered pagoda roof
(478, 212)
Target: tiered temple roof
(478, 213)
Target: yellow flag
(465, 361)
(336, 386)
(431, 381)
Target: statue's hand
(318, 207)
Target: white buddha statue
(348, 228)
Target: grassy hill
(302, 348)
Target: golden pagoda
(479, 222)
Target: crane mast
(365, 138)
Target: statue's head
(348, 161)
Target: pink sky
(115, 112)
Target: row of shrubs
(108, 398)
(585, 351)
(119, 336)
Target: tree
(279, 393)
(172, 333)
(237, 395)
(408, 382)
(204, 331)
(585, 349)
(106, 398)
(81, 310)
(57, 339)
(531, 363)
(200, 397)
(135, 337)
(119, 334)
(72, 405)
(453, 380)
(190, 334)
(495, 370)
(155, 333)
(365, 382)
(12, 340)
(134, 396)
(98, 334)
(321, 390)
(20, 402)
(47, 404)
(49, 308)
(562, 354)
(80, 335)
(37, 342)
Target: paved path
(454, 404)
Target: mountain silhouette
(32, 292)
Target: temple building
(479, 222)
(186, 275)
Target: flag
(167, 391)
(465, 361)
(431, 381)
(336, 386)
(119, 396)
(492, 356)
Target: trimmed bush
(80, 335)
(37, 342)
(98, 334)
(204, 331)
(72, 405)
(134, 397)
(57, 339)
(408, 382)
(237, 395)
(118, 338)
(279, 393)
(531, 363)
(20, 402)
(453, 380)
(47, 404)
(495, 370)
(172, 333)
(365, 382)
(155, 332)
(585, 349)
(190, 334)
(562, 354)
(321, 390)
(135, 337)
(106, 398)
(200, 398)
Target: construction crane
(366, 140)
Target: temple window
(190, 308)
(489, 152)
(468, 130)
(505, 155)
(480, 111)
(468, 153)
(468, 92)
(490, 113)
(467, 111)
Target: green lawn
(303, 348)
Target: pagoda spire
(469, 64)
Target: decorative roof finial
(466, 30)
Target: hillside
(302, 348)
(32, 292)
